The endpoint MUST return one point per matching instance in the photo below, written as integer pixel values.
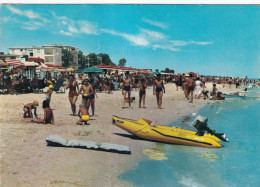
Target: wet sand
(25, 159)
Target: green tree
(122, 62)
(105, 59)
(67, 58)
(92, 59)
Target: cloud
(202, 43)
(27, 13)
(153, 34)
(155, 23)
(66, 33)
(138, 40)
(71, 27)
(166, 47)
(184, 43)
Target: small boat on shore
(145, 129)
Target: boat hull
(173, 135)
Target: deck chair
(58, 86)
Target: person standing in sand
(28, 109)
(127, 88)
(142, 85)
(72, 85)
(158, 89)
(88, 91)
(190, 86)
(92, 97)
(48, 93)
(198, 89)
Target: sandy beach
(27, 161)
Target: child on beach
(48, 114)
(83, 114)
(28, 109)
(48, 93)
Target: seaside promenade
(27, 161)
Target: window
(21, 49)
(31, 54)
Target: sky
(209, 39)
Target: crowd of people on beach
(192, 87)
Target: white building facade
(50, 54)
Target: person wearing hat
(28, 109)
(83, 114)
(48, 93)
(158, 90)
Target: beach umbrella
(194, 74)
(156, 72)
(93, 70)
(80, 70)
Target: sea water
(235, 164)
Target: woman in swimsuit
(142, 93)
(73, 93)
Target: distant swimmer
(158, 90)
(48, 114)
(28, 109)
(72, 85)
(83, 114)
(127, 88)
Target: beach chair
(58, 86)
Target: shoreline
(26, 160)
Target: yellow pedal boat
(174, 135)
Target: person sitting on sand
(159, 89)
(88, 91)
(83, 114)
(142, 85)
(127, 88)
(28, 109)
(48, 93)
(48, 114)
(190, 86)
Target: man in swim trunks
(73, 94)
(190, 85)
(83, 114)
(142, 85)
(28, 109)
(158, 89)
(48, 114)
(87, 94)
(127, 88)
